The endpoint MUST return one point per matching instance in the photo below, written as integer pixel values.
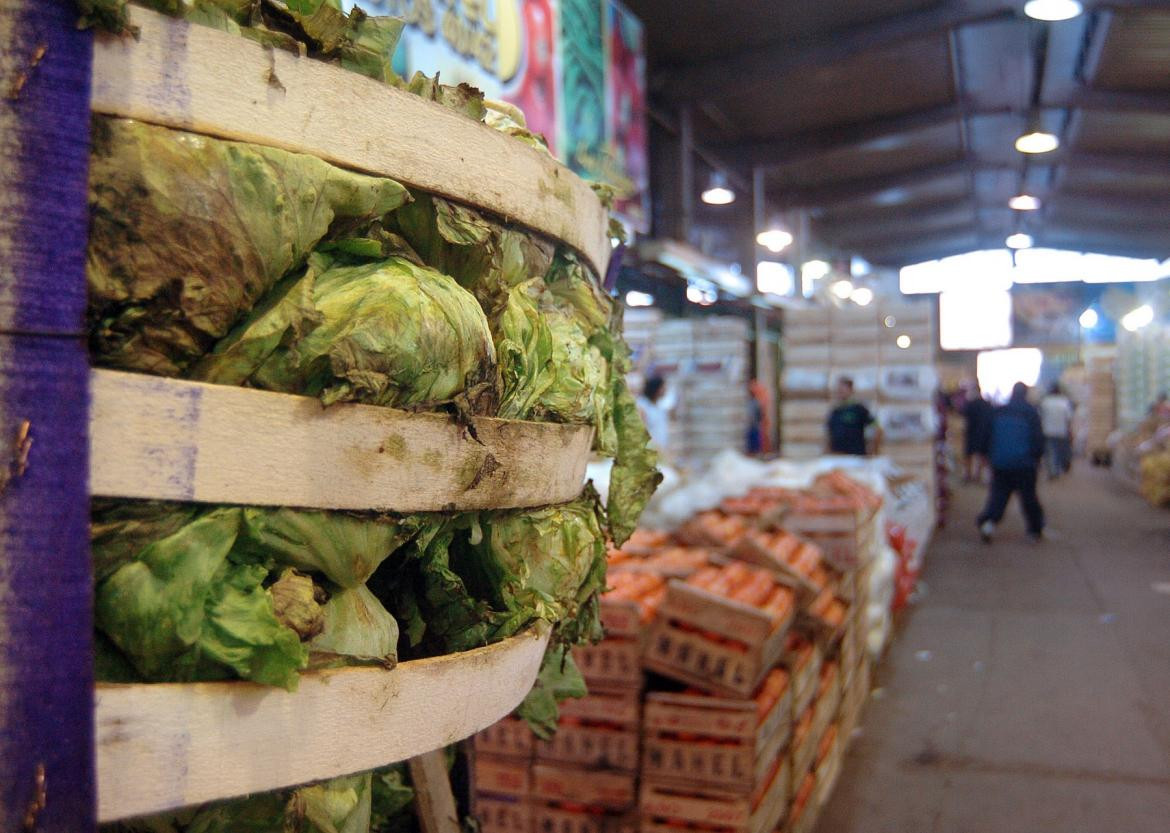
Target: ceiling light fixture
(718, 191)
(1090, 319)
(1019, 240)
(1138, 318)
(1037, 141)
(903, 341)
(1024, 202)
(639, 299)
(862, 296)
(842, 289)
(1052, 10)
(774, 239)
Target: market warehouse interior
(643, 417)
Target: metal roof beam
(706, 79)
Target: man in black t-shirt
(848, 422)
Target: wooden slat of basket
(170, 439)
(168, 745)
(196, 78)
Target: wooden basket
(163, 746)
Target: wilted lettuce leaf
(119, 530)
(188, 232)
(558, 680)
(181, 610)
(464, 98)
(357, 626)
(392, 799)
(383, 333)
(537, 564)
(635, 474)
(341, 805)
(345, 548)
(430, 600)
(509, 119)
(524, 349)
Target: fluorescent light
(775, 278)
(1019, 240)
(842, 289)
(904, 341)
(1037, 142)
(639, 299)
(1052, 10)
(774, 239)
(1024, 202)
(815, 270)
(718, 192)
(1089, 318)
(890, 322)
(1138, 318)
(862, 296)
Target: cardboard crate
(611, 663)
(555, 818)
(665, 806)
(503, 815)
(502, 776)
(602, 789)
(804, 679)
(845, 538)
(727, 744)
(830, 759)
(591, 746)
(683, 645)
(621, 707)
(756, 549)
(804, 811)
(509, 738)
(621, 618)
(828, 700)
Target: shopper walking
(655, 412)
(977, 434)
(848, 423)
(1016, 448)
(1056, 416)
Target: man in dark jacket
(1016, 448)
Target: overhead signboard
(576, 68)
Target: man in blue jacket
(1016, 449)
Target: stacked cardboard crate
(755, 638)
(888, 350)
(705, 362)
(1101, 404)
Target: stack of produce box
(897, 382)
(755, 643)
(714, 754)
(705, 364)
(1101, 406)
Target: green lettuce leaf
(558, 680)
(188, 232)
(392, 800)
(181, 610)
(385, 333)
(344, 548)
(358, 627)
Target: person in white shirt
(1056, 414)
(655, 412)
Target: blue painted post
(46, 643)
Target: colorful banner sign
(575, 67)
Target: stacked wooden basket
(164, 746)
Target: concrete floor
(1028, 688)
